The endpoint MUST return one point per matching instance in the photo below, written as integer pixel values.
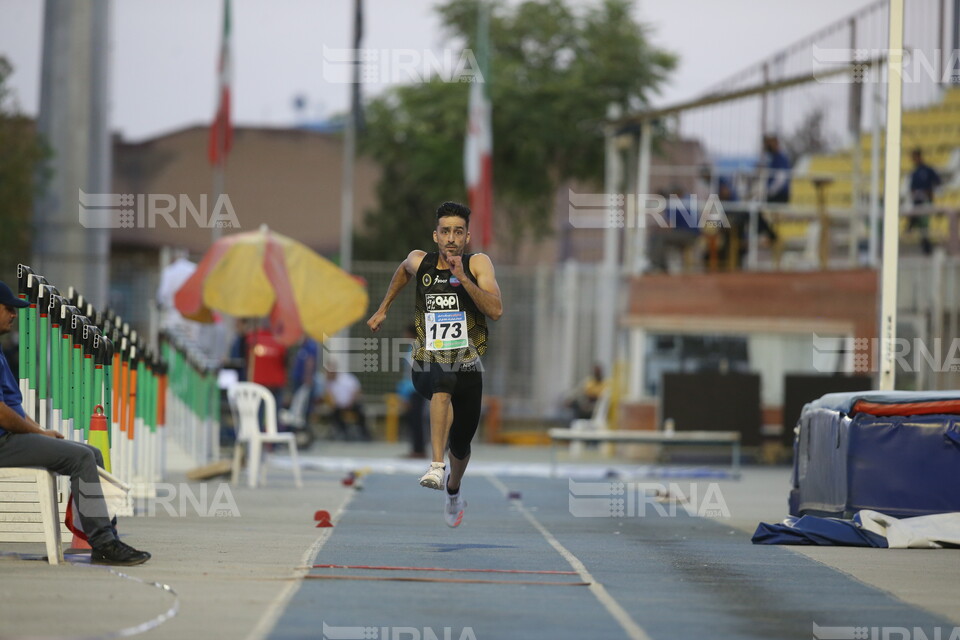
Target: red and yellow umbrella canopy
(262, 274)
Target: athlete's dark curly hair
(454, 209)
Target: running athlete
(456, 293)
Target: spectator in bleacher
(23, 443)
(343, 393)
(721, 241)
(777, 166)
(724, 187)
(680, 236)
(923, 182)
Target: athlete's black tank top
(440, 298)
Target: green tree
(553, 72)
(23, 154)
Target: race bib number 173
(446, 330)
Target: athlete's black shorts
(466, 391)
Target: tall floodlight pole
(350, 145)
(891, 201)
(640, 260)
(70, 243)
(346, 194)
(607, 317)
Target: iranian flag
(478, 148)
(221, 132)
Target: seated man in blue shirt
(923, 181)
(23, 443)
(778, 180)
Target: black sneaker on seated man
(118, 553)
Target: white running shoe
(433, 478)
(453, 506)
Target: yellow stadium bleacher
(935, 130)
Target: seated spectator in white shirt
(343, 393)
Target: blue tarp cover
(867, 529)
(813, 530)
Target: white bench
(705, 438)
(28, 509)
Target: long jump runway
(530, 569)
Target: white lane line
(277, 606)
(599, 591)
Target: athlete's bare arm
(404, 274)
(486, 293)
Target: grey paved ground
(241, 575)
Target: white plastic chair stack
(596, 422)
(245, 400)
(28, 509)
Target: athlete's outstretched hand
(376, 320)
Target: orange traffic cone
(78, 545)
(99, 436)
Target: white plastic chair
(596, 422)
(245, 400)
(28, 509)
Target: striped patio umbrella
(264, 274)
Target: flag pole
(478, 142)
(220, 131)
(218, 182)
(346, 191)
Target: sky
(164, 52)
